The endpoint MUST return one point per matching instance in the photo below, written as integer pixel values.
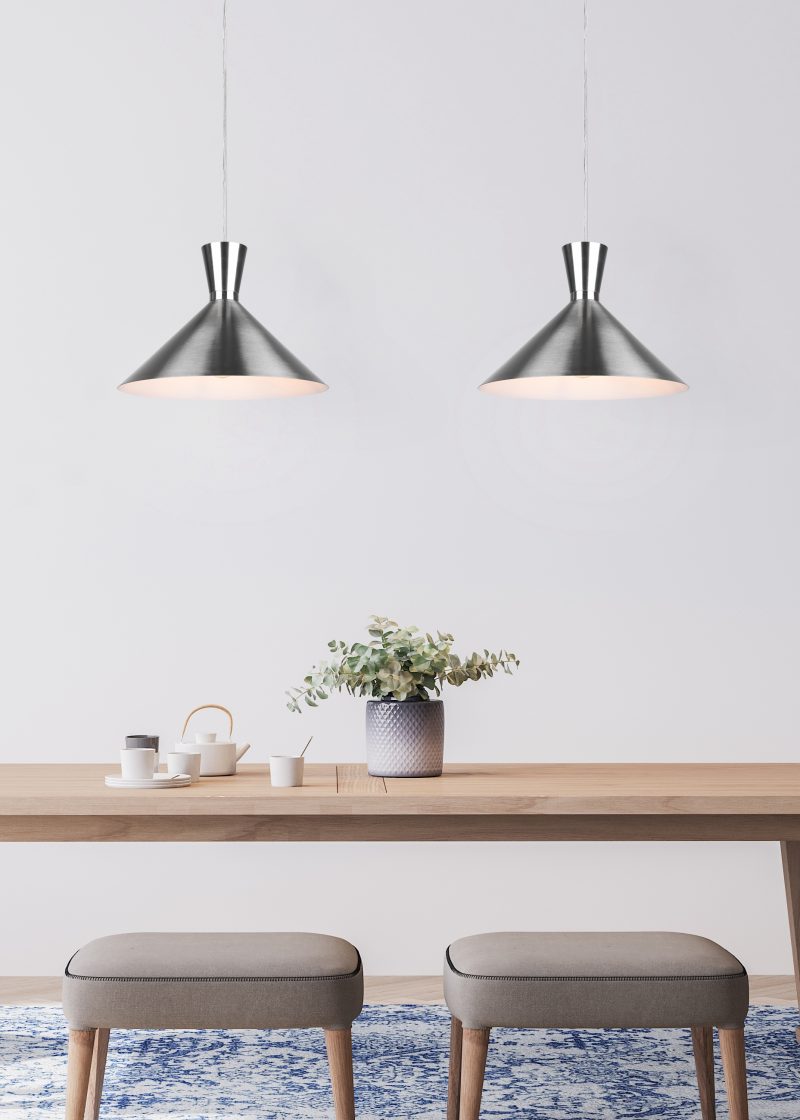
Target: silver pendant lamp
(584, 353)
(223, 353)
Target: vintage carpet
(401, 1071)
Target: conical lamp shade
(584, 353)
(223, 353)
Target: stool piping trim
(584, 979)
(207, 979)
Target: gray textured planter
(405, 738)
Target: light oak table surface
(59, 801)
(481, 802)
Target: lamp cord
(585, 120)
(224, 120)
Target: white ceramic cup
(184, 762)
(286, 769)
(137, 762)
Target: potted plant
(399, 669)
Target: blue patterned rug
(401, 1071)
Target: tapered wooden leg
(731, 1044)
(339, 1045)
(790, 852)
(474, 1044)
(454, 1074)
(703, 1045)
(97, 1073)
(79, 1064)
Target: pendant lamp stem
(585, 120)
(224, 120)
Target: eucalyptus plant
(397, 663)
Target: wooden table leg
(790, 851)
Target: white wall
(404, 175)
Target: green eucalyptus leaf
(397, 663)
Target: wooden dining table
(469, 802)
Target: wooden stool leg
(703, 1045)
(339, 1045)
(79, 1064)
(97, 1073)
(733, 1063)
(474, 1045)
(454, 1074)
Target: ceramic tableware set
(206, 756)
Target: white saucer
(158, 781)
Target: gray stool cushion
(195, 980)
(594, 980)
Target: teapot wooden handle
(202, 707)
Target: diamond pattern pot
(405, 738)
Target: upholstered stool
(173, 981)
(577, 980)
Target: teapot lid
(208, 739)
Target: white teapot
(216, 757)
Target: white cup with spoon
(287, 769)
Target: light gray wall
(404, 175)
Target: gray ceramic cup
(146, 742)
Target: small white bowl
(184, 762)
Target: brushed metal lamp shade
(223, 353)
(584, 353)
